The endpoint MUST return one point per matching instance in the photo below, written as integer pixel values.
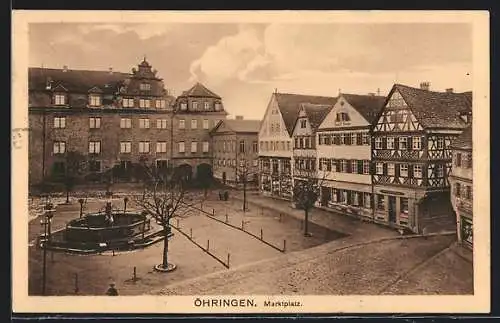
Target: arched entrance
(204, 175)
(184, 172)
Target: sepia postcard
(250, 162)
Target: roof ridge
(77, 70)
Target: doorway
(392, 209)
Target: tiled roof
(289, 105)
(242, 125)
(199, 90)
(436, 109)
(464, 141)
(77, 81)
(368, 106)
(316, 113)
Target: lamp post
(49, 214)
(81, 201)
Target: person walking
(112, 291)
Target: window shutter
(349, 197)
(396, 143)
(360, 167)
(359, 139)
(348, 138)
(348, 166)
(410, 171)
(384, 168)
(384, 142)
(409, 143)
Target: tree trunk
(244, 195)
(165, 245)
(67, 195)
(306, 224)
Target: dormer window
(207, 106)
(342, 117)
(59, 99)
(94, 100)
(160, 104)
(303, 123)
(183, 106)
(195, 106)
(218, 106)
(145, 87)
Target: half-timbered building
(461, 183)
(344, 154)
(412, 155)
(275, 141)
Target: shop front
(349, 198)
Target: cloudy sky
(244, 63)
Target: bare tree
(306, 187)
(75, 166)
(245, 172)
(164, 197)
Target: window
(440, 143)
(59, 147)
(303, 123)
(60, 122)
(183, 106)
(390, 169)
(458, 159)
(144, 147)
(194, 146)
(380, 169)
(334, 195)
(343, 165)
(359, 139)
(366, 139)
(266, 145)
(94, 166)
(143, 123)
(161, 147)
(307, 142)
(390, 143)
(94, 147)
(457, 189)
(205, 146)
(355, 198)
(144, 103)
(195, 105)
(378, 143)
(255, 148)
(125, 147)
(342, 138)
(404, 204)
(288, 145)
(162, 164)
(182, 124)
(353, 138)
(417, 143)
(440, 170)
(218, 107)
(366, 167)
(207, 106)
(468, 160)
(182, 147)
(468, 192)
(161, 123)
(128, 103)
(403, 143)
(403, 170)
(242, 146)
(255, 162)
(343, 196)
(95, 100)
(160, 104)
(342, 117)
(354, 166)
(205, 124)
(59, 99)
(95, 123)
(417, 171)
(367, 200)
(380, 202)
(125, 123)
(194, 123)
(145, 86)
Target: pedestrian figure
(112, 291)
(226, 195)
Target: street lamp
(49, 214)
(81, 201)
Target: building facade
(275, 141)
(461, 183)
(235, 151)
(344, 154)
(411, 156)
(113, 119)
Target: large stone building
(275, 141)
(116, 120)
(235, 151)
(412, 157)
(461, 183)
(344, 154)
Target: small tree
(306, 190)
(164, 197)
(244, 171)
(74, 169)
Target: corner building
(412, 157)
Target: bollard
(113, 250)
(208, 245)
(226, 217)
(284, 245)
(228, 255)
(191, 233)
(261, 235)
(213, 212)
(134, 277)
(76, 284)
(243, 225)
(177, 222)
(280, 217)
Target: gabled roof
(199, 90)
(239, 126)
(368, 106)
(436, 109)
(464, 141)
(78, 81)
(316, 113)
(289, 105)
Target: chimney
(238, 117)
(425, 86)
(378, 91)
(110, 70)
(65, 68)
(275, 90)
(449, 90)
